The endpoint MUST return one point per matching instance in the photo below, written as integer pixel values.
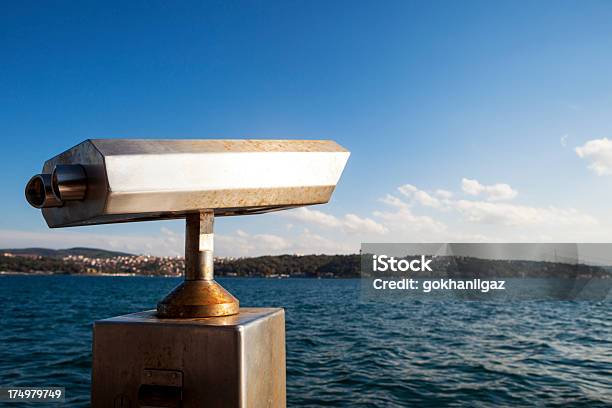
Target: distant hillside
(339, 266)
(99, 261)
(60, 253)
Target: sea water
(341, 350)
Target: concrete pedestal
(140, 360)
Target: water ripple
(341, 351)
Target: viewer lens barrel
(67, 182)
(39, 192)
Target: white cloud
(240, 233)
(444, 193)
(407, 189)
(494, 192)
(393, 201)
(273, 242)
(423, 198)
(499, 192)
(521, 215)
(472, 187)
(404, 220)
(490, 212)
(167, 242)
(482, 218)
(599, 153)
(354, 223)
(311, 243)
(563, 140)
(419, 196)
(242, 243)
(315, 217)
(350, 223)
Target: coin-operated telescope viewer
(199, 348)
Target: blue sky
(424, 94)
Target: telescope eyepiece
(39, 192)
(69, 182)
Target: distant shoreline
(95, 262)
(45, 273)
(127, 275)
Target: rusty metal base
(140, 360)
(198, 298)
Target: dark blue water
(340, 351)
